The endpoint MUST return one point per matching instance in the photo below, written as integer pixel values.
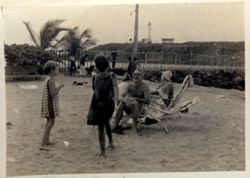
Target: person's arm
(53, 90)
(115, 86)
(122, 96)
(159, 86)
(154, 91)
(164, 91)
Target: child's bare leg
(101, 138)
(45, 133)
(47, 122)
(109, 133)
(49, 126)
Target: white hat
(138, 71)
(166, 75)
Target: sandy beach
(210, 137)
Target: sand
(210, 137)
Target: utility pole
(136, 31)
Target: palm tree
(48, 33)
(73, 41)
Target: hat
(138, 71)
(166, 75)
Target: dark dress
(102, 104)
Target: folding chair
(159, 112)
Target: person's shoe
(43, 148)
(111, 147)
(103, 155)
(118, 130)
(185, 110)
(149, 121)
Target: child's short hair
(101, 63)
(49, 66)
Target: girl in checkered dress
(50, 104)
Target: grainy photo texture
(124, 88)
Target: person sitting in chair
(166, 88)
(138, 93)
(166, 92)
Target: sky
(210, 21)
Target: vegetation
(48, 33)
(45, 45)
(26, 55)
(75, 43)
(206, 48)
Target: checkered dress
(50, 105)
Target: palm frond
(73, 42)
(59, 43)
(88, 43)
(86, 34)
(49, 31)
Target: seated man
(131, 101)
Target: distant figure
(82, 65)
(113, 58)
(136, 62)
(131, 66)
(50, 103)
(103, 101)
(89, 70)
(72, 65)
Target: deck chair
(159, 112)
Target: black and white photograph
(124, 89)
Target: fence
(165, 61)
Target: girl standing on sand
(102, 104)
(50, 104)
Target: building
(167, 40)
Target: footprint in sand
(195, 113)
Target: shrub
(27, 57)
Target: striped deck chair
(159, 112)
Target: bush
(219, 78)
(25, 55)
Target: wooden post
(190, 61)
(122, 60)
(175, 59)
